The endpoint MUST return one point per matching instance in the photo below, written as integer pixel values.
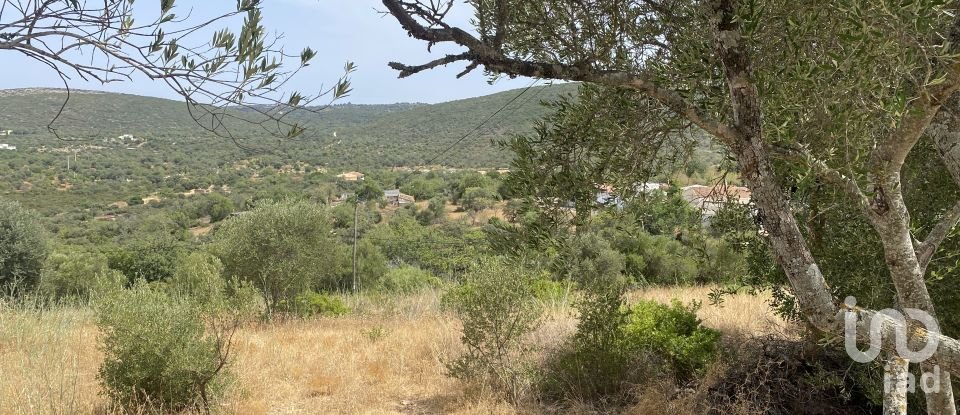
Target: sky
(339, 30)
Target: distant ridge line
(37, 90)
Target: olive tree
(836, 92)
(23, 247)
(282, 248)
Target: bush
(776, 375)
(407, 279)
(219, 208)
(594, 366)
(498, 308)
(371, 266)
(200, 277)
(550, 291)
(674, 333)
(435, 212)
(666, 261)
(23, 247)
(158, 352)
(152, 258)
(617, 349)
(309, 304)
(76, 276)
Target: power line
(469, 133)
(524, 102)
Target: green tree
(369, 192)
(151, 257)
(23, 247)
(423, 188)
(219, 208)
(282, 248)
(371, 264)
(434, 213)
(478, 198)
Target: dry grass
(740, 314)
(385, 358)
(48, 362)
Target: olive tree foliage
(283, 248)
(23, 248)
(214, 70)
(796, 92)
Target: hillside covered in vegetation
(340, 135)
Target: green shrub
(200, 277)
(550, 291)
(667, 261)
(309, 304)
(478, 198)
(407, 279)
(435, 212)
(371, 267)
(674, 333)
(77, 276)
(594, 365)
(617, 348)
(158, 351)
(498, 308)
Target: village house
(7, 147)
(710, 199)
(350, 176)
(606, 195)
(395, 198)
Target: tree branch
(495, 61)
(929, 246)
(406, 70)
(890, 154)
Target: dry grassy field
(387, 357)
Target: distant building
(396, 198)
(350, 176)
(651, 187)
(710, 199)
(7, 147)
(6, 132)
(607, 197)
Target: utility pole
(356, 215)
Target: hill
(349, 135)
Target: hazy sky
(339, 30)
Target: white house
(396, 198)
(709, 199)
(7, 147)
